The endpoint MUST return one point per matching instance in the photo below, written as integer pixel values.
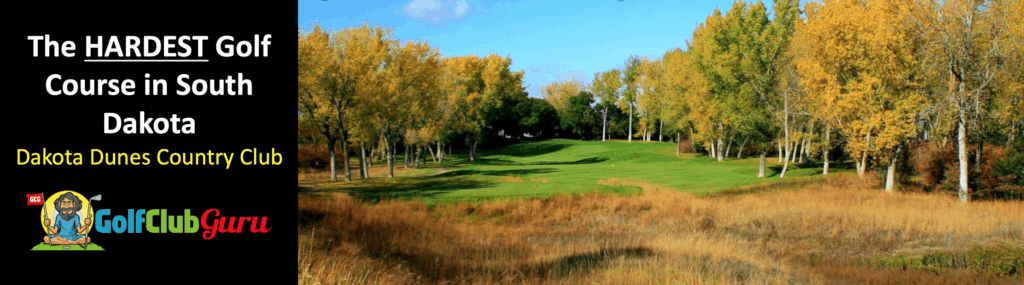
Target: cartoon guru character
(68, 224)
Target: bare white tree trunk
(760, 167)
(779, 145)
(825, 149)
(712, 149)
(719, 150)
(863, 163)
(739, 153)
(785, 128)
(472, 151)
(728, 147)
(891, 174)
(795, 152)
(604, 125)
(334, 163)
(363, 161)
(432, 156)
(961, 140)
(803, 150)
(660, 129)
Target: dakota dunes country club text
(246, 157)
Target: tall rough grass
(835, 231)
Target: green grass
(539, 169)
(44, 246)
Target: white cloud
(436, 11)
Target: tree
(967, 35)
(410, 77)
(606, 86)
(630, 79)
(676, 83)
(868, 72)
(558, 92)
(316, 65)
(482, 86)
(537, 117)
(706, 51)
(578, 115)
(649, 99)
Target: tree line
(361, 91)
(864, 79)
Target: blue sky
(551, 40)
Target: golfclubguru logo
(67, 217)
(161, 221)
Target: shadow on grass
(498, 161)
(378, 189)
(773, 171)
(581, 263)
(527, 149)
(508, 172)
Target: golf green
(545, 168)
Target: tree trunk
(785, 160)
(795, 152)
(785, 128)
(472, 151)
(825, 149)
(334, 161)
(728, 147)
(961, 140)
(604, 123)
(760, 167)
(693, 142)
(630, 132)
(363, 169)
(390, 157)
(440, 156)
(344, 157)
(711, 150)
(660, 129)
(803, 151)
(432, 156)
(406, 157)
(891, 174)
(863, 163)
(416, 158)
(718, 151)
(739, 153)
(779, 145)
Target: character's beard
(67, 216)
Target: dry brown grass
(820, 233)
